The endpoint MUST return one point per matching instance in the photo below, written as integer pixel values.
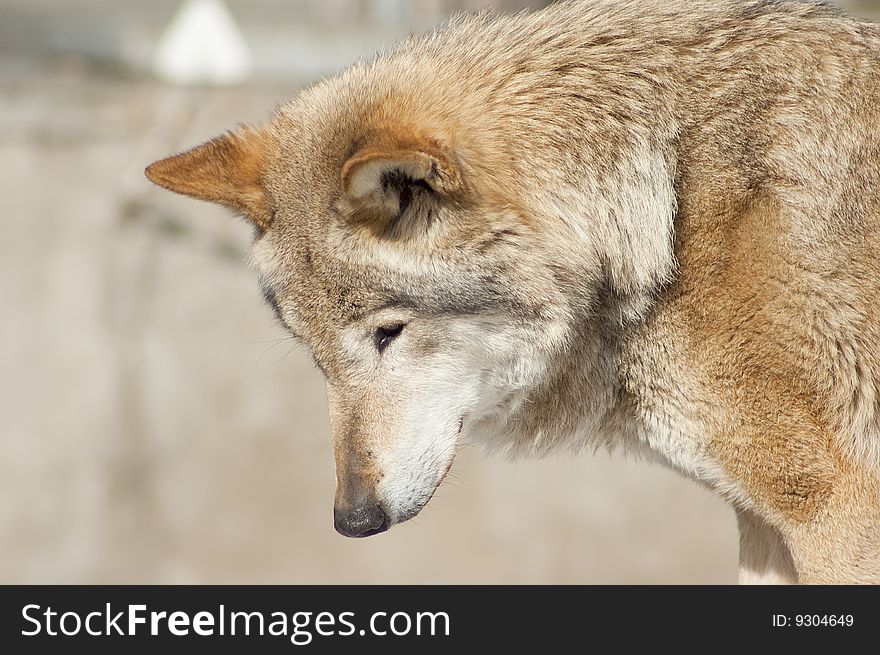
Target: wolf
(651, 226)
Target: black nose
(361, 521)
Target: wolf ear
(379, 183)
(227, 170)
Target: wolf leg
(763, 556)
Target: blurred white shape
(203, 45)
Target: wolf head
(442, 260)
(404, 279)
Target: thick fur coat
(649, 225)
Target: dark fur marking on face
(272, 300)
(318, 364)
(480, 296)
(505, 235)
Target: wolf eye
(387, 334)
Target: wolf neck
(596, 175)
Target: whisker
(453, 481)
(266, 351)
(287, 337)
(281, 363)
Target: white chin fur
(444, 407)
(405, 490)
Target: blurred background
(155, 429)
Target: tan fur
(651, 225)
(227, 170)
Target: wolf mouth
(412, 513)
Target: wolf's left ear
(227, 170)
(382, 181)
